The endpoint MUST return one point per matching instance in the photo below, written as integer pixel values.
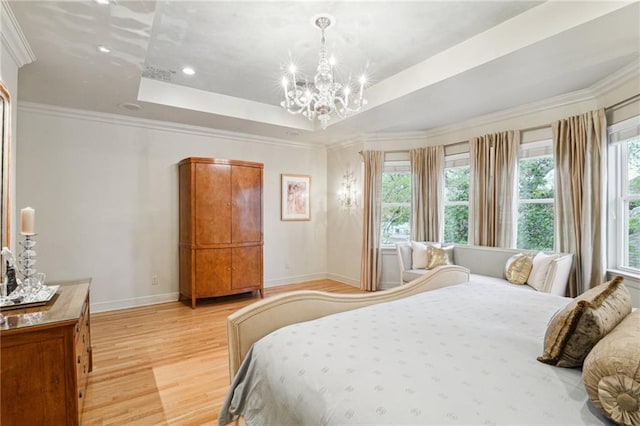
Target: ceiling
(428, 63)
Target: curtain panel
(427, 193)
(494, 173)
(579, 149)
(370, 269)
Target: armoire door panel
(246, 267)
(213, 272)
(184, 205)
(212, 203)
(246, 204)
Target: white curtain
(494, 173)
(427, 193)
(370, 269)
(580, 160)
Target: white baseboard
(134, 302)
(172, 297)
(389, 284)
(294, 280)
(312, 277)
(343, 279)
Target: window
(456, 199)
(396, 201)
(536, 197)
(624, 173)
(631, 202)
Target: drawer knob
(80, 394)
(78, 359)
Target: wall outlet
(154, 280)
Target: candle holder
(31, 285)
(30, 291)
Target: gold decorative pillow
(611, 372)
(574, 330)
(439, 256)
(518, 268)
(420, 255)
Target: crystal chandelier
(324, 95)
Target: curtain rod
(623, 102)
(392, 151)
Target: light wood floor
(166, 364)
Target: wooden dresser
(46, 358)
(221, 235)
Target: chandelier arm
(346, 109)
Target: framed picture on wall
(295, 197)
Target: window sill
(631, 279)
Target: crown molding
(623, 75)
(123, 120)
(13, 38)
(419, 136)
(358, 141)
(590, 93)
(519, 111)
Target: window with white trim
(456, 198)
(624, 194)
(396, 202)
(536, 196)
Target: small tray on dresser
(42, 298)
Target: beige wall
(105, 191)
(344, 240)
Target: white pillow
(419, 256)
(538, 275)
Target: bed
(450, 352)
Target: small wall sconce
(348, 194)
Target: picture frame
(295, 197)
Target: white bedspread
(460, 355)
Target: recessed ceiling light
(104, 49)
(103, 1)
(188, 71)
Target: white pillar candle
(27, 221)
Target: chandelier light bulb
(321, 95)
(362, 80)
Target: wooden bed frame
(251, 323)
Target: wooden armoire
(221, 235)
